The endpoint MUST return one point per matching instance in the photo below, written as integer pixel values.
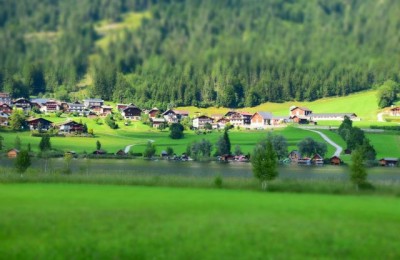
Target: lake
(204, 169)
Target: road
(339, 149)
(128, 147)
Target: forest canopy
(230, 53)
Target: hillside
(364, 104)
(231, 53)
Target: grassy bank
(91, 221)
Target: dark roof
(40, 118)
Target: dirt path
(339, 149)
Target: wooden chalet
(121, 153)
(156, 122)
(71, 127)
(154, 112)
(395, 111)
(201, 121)
(222, 122)
(76, 107)
(106, 110)
(389, 162)
(93, 102)
(121, 107)
(300, 111)
(5, 108)
(300, 119)
(12, 153)
(261, 119)
(237, 119)
(36, 123)
(174, 116)
(5, 98)
(317, 159)
(132, 112)
(335, 160)
(50, 106)
(22, 103)
(246, 118)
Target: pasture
(113, 140)
(94, 221)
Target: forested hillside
(229, 53)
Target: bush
(218, 181)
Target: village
(95, 108)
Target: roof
(204, 117)
(75, 105)
(130, 107)
(158, 120)
(40, 118)
(395, 108)
(265, 115)
(39, 100)
(4, 95)
(93, 100)
(302, 108)
(333, 114)
(389, 159)
(181, 112)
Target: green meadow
(364, 104)
(56, 221)
(138, 135)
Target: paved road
(128, 147)
(339, 149)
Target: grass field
(138, 135)
(364, 104)
(387, 144)
(91, 221)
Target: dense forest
(229, 53)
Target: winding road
(339, 149)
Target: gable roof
(302, 108)
(37, 119)
(264, 115)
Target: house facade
(395, 111)
(261, 119)
(22, 103)
(5, 98)
(201, 121)
(132, 112)
(93, 102)
(5, 108)
(174, 116)
(236, 119)
(71, 127)
(156, 122)
(76, 107)
(36, 123)
(300, 111)
(153, 112)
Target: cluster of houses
(394, 111)
(94, 107)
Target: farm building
(335, 160)
(12, 153)
(388, 161)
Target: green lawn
(387, 144)
(47, 221)
(138, 135)
(364, 104)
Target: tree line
(230, 53)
